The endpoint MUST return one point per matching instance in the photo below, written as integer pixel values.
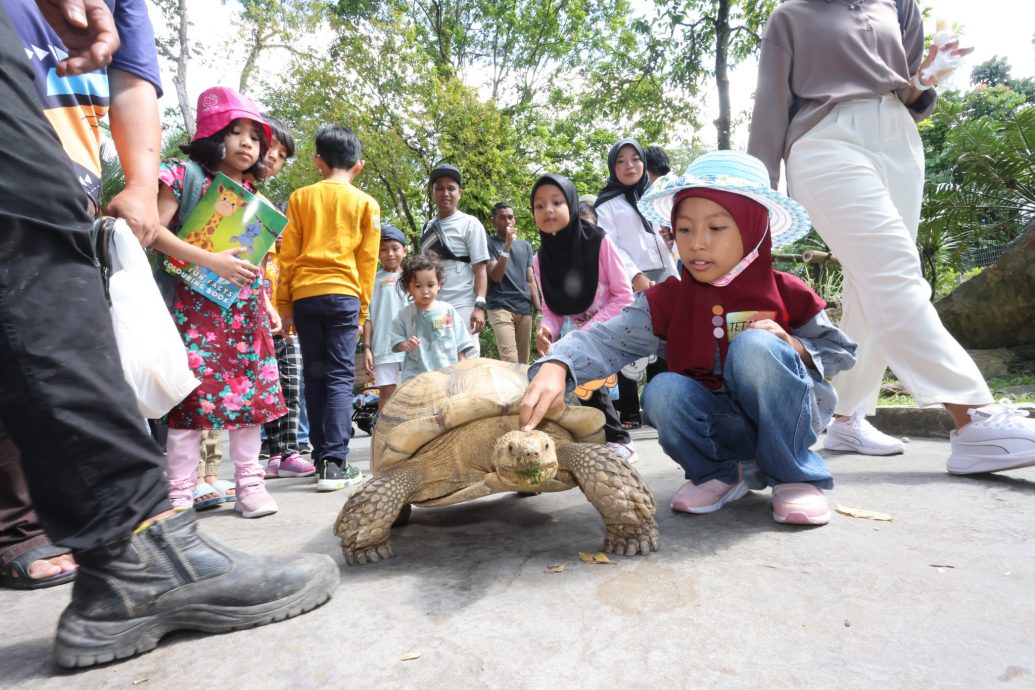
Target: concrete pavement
(940, 597)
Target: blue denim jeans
(327, 328)
(764, 415)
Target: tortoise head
(525, 459)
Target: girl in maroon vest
(747, 347)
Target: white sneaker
(999, 437)
(624, 451)
(857, 435)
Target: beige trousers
(211, 453)
(860, 174)
(513, 334)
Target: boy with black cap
(459, 241)
(380, 360)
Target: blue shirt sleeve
(607, 346)
(137, 54)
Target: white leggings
(860, 174)
(183, 449)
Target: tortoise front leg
(616, 490)
(365, 521)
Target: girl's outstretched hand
(543, 340)
(545, 391)
(228, 266)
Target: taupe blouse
(818, 53)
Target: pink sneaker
(295, 465)
(708, 497)
(273, 467)
(254, 501)
(800, 504)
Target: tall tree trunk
(722, 80)
(255, 46)
(180, 79)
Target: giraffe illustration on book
(226, 203)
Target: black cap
(445, 170)
(390, 232)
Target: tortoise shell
(437, 402)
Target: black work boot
(171, 577)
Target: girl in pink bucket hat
(230, 350)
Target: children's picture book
(227, 216)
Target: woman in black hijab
(644, 252)
(583, 281)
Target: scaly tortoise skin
(452, 435)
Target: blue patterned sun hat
(729, 171)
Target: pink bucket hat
(221, 105)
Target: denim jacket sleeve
(605, 347)
(831, 349)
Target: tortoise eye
(510, 447)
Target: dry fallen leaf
(863, 513)
(138, 681)
(559, 568)
(941, 568)
(409, 656)
(595, 558)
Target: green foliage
(980, 184)
(698, 41)
(401, 74)
(992, 72)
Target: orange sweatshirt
(330, 245)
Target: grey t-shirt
(465, 236)
(512, 292)
(442, 334)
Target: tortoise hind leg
(616, 490)
(404, 516)
(365, 521)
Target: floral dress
(229, 350)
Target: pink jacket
(613, 293)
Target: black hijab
(569, 262)
(631, 192)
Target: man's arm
(480, 285)
(533, 289)
(136, 130)
(497, 268)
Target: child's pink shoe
(273, 467)
(707, 497)
(254, 501)
(800, 504)
(295, 465)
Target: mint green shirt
(443, 336)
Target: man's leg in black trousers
(94, 474)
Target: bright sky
(993, 27)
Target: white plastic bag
(154, 360)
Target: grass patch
(892, 392)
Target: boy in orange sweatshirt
(328, 259)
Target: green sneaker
(334, 477)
